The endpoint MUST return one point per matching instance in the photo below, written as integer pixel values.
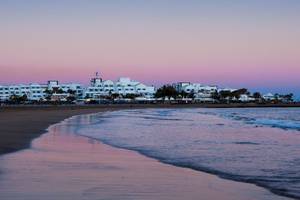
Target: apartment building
(123, 86)
(35, 91)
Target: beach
(78, 167)
(20, 124)
(62, 165)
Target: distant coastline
(128, 91)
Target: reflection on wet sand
(61, 165)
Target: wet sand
(62, 165)
(20, 124)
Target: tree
(57, 90)
(131, 96)
(215, 95)
(191, 94)
(71, 99)
(224, 94)
(237, 93)
(289, 97)
(115, 95)
(183, 94)
(48, 92)
(256, 95)
(72, 92)
(166, 91)
(18, 99)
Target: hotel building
(98, 88)
(123, 86)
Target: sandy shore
(20, 124)
(62, 165)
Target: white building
(226, 89)
(202, 93)
(123, 86)
(194, 87)
(35, 91)
(246, 98)
(4, 93)
(32, 91)
(269, 97)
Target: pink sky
(235, 45)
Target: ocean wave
(288, 120)
(212, 144)
(277, 123)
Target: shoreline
(219, 174)
(122, 172)
(149, 105)
(20, 124)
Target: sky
(253, 44)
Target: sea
(255, 145)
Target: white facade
(202, 93)
(227, 89)
(4, 93)
(246, 98)
(123, 86)
(194, 88)
(35, 91)
(269, 97)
